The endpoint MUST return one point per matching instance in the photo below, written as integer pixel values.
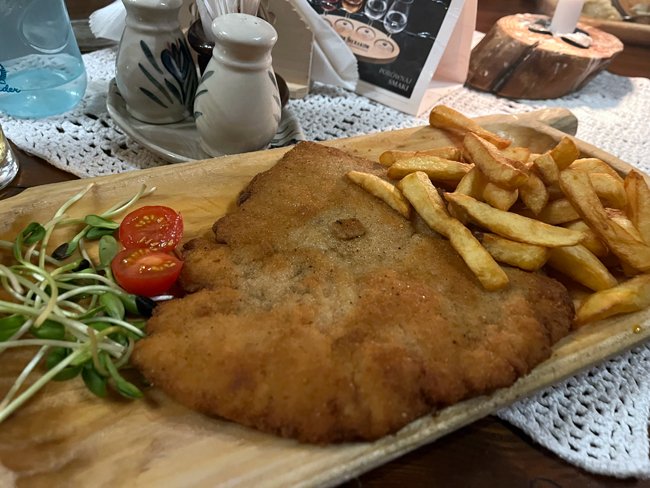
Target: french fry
(499, 197)
(516, 153)
(383, 190)
(534, 193)
(582, 266)
(496, 168)
(513, 226)
(621, 219)
(472, 184)
(630, 296)
(577, 186)
(554, 192)
(558, 212)
(547, 168)
(424, 197)
(595, 165)
(565, 153)
(447, 118)
(436, 168)
(525, 256)
(609, 189)
(387, 158)
(638, 203)
(592, 241)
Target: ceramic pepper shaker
(237, 106)
(155, 72)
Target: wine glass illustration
(375, 9)
(329, 6)
(351, 6)
(397, 16)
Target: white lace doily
(597, 420)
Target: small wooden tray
(66, 437)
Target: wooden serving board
(66, 437)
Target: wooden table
(488, 453)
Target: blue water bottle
(41, 70)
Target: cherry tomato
(143, 271)
(156, 227)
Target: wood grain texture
(515, 62)
(65, 437)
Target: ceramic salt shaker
(237, 106)
(155, 72)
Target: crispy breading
(293, 330)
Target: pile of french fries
(575, 215)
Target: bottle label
(4, 86)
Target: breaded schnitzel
(320, 313)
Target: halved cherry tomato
(145, 272)
(154, 226)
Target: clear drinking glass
(41, 70)
(8, 163)
(375, 9)
(397, 16)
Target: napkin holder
(519, 58)
(292, 54)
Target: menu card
(409, 52)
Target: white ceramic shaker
(237, 106)
(155, 72)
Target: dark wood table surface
(488, 453)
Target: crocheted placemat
(597, 420)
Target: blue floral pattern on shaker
(202, 91)
(180, 86)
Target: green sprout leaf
(33, 233)
(57, 355)
(10, 325)
(128, 390)
(112, 305)
(108, 249)
(123, 387)
(129, 302)
(49, 330)
(100, 222)
(95, 382)
(100, 326)
(95, 233)
(68, 373)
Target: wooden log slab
(515, 62)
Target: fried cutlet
(317, 312)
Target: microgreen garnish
(69, 307)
